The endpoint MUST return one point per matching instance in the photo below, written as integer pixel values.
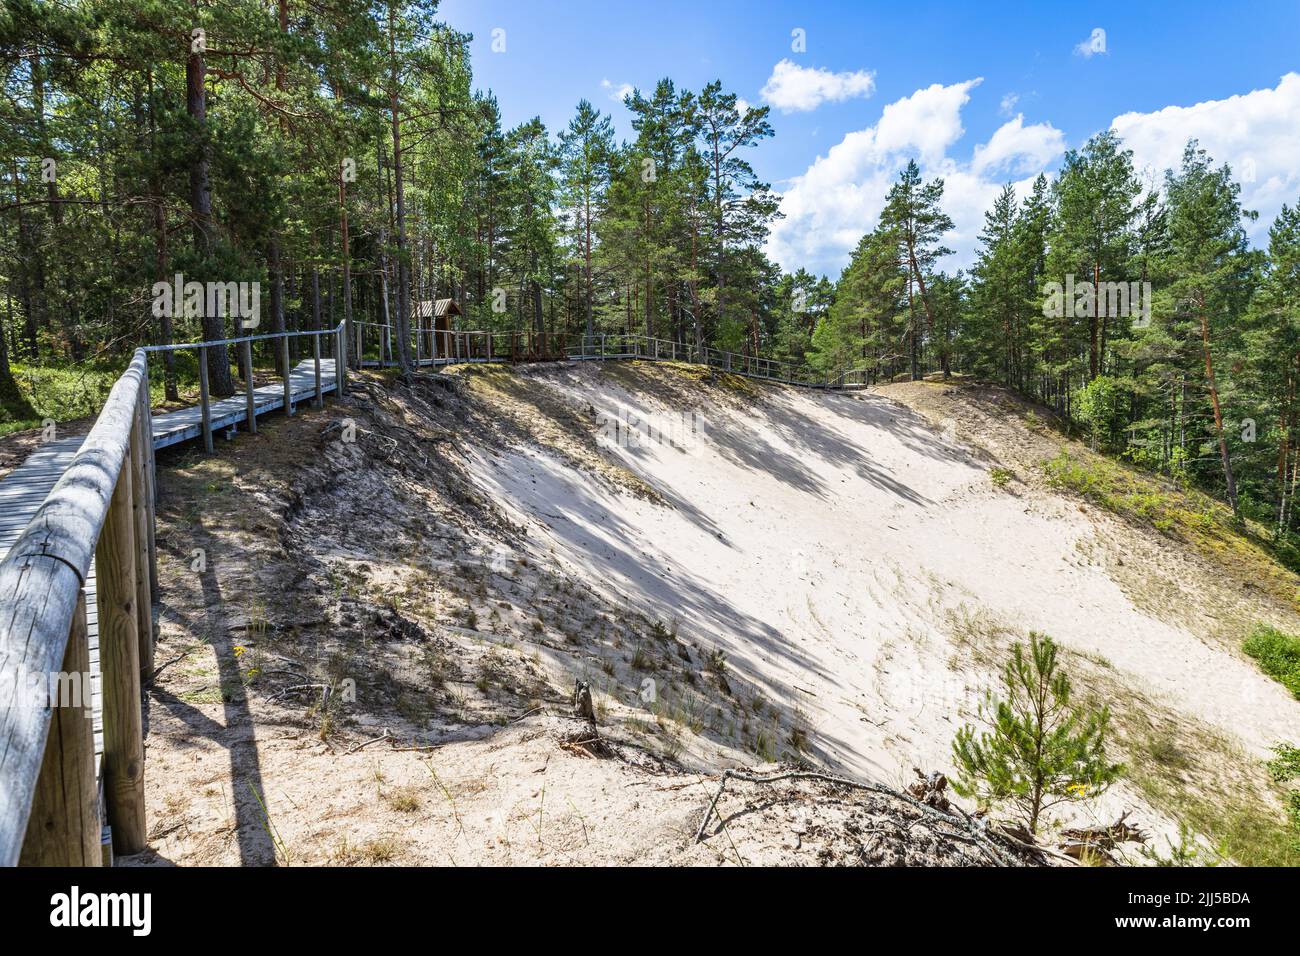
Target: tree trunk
(220, 381)
(31, 273)
(165, 329)
(586, 252)
(12, 399)
(1218, 415)
(1094, 360)
(403, 265)
(276, 269)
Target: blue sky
(949, 77)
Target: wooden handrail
(243, 338)
(40, 588)
(101, 510)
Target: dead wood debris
(961, 827)
(1098, 844)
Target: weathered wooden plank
(205, 408)
(141, 520)
(288, 376)
(119, 660)
(315, 351)
(45, 589)
(151, 487)
(40, 581)
(250, 392)
(64, 826)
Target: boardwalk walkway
(24, 489)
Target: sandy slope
(829, 543)
(485, 542)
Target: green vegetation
(1039, 750)
(1278, 655)
(1285, 769)
(1197, 775)
(1243, 547)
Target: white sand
(824, 541)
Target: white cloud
(793, 88)
(743, 105)
(928, 121)
(1008, 104)
(1094, 44)
(1015, 147)
(839, 197)
(1256, 133)
(617, 92)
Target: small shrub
(1186, 852)
(1039, 750)
(404, 800)
(1000, 477)
(1285, 768)
(1278, 655)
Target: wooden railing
(449, 347)
(284, 362)
(100, 511)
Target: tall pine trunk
(219, 378)
(403, 263)
(1218, 415)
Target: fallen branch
(976, 836)
(293, 687)
(374, 740)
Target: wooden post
(340, 364)
(151, 485)
(63, 829)
(315, 354)
(288, 384)
(119, 664)
(204, 401)
(250, 400)
(142, 518)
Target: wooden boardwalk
(24, 489)
(187, 423)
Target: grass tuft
(1278, 655)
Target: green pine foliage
(1037, 749)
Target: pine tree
(1039, 749)
(1211, 273)
(913, 214)
(1095, 196)
(1273, 350)
(585, 150)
